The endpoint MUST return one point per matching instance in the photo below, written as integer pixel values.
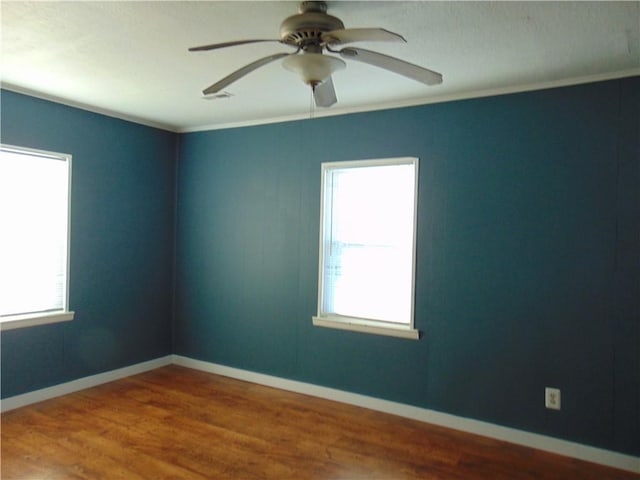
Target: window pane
(33, 245)
(368, 242)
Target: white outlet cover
(552, 398)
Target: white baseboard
(511, 435)
(87, 382)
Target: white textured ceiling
(130, 59)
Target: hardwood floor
(177, 423)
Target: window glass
(34, 210)
(368, 240)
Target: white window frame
(364, 325)
(10, 322)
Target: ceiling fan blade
(324, 94)
(350, 35)
(215, 46)
(238, 74)
(392, 64)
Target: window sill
(34, 319)
(364, 326)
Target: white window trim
(34, 319)
(364, 325)
(12, 322)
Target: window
(34, 245)
(367, 246)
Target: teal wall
(528, 269)
(122, 232)
(528, 257)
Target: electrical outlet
(552, 398)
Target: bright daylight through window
(34, 244)
(367, 246)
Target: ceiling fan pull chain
(312, 103)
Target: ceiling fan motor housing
(305, 28)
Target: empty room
(320, 240)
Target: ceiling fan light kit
(311, 32)
(313, 68)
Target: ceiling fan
(311, 32)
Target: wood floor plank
(175, 423)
